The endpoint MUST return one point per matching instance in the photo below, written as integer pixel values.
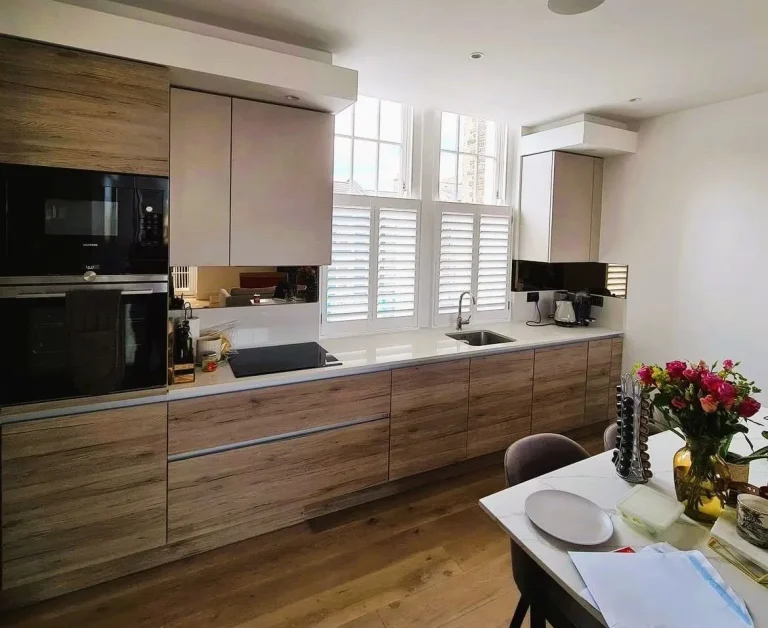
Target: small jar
(209, 362)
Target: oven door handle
(42, 295)
(136, 292)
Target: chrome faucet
(464, 321)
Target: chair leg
(538, 616)
(520, 611)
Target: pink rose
(728, 365)
(676, 369)
(711, 382)
(679, 403)
(748, 407)
(645, 375)
(691, 375)
(709, 404)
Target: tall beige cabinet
(201, 134)
(251, 183)
(560, 207)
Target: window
(616, 281)
(371, 282)
(184, 279)
(472, 160)
(372, 148)
(473, 255)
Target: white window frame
(500, 159)
(406, 150)
(191, 288)
(373, 324)
(443, 320)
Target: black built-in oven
(46, 357)
(74, 224)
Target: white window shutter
(493, 262)
(455, 270)
(617, 280)
(349, 272)
(396, 284)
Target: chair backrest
(609, 437)
(538, 454)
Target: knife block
(633, 409)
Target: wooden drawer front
(429, 417)
(598, 381)
(75, 109)
(268, 485)
(500, 398)
(559, 387)
(81, 490)
(617, 354)
(205, 422)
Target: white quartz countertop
(376, 352)
(595, 478)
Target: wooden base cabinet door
(82, 490)
(500, 400)
(559, 388)
(598, 381)
(429, 417)
(617, 355)
(244, 492)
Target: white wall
(689, 214)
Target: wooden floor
(428, 557)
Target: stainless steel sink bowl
(479, 338)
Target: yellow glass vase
(701, 478)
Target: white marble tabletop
(596, 479)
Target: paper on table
(653, 589)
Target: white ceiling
(538, 66)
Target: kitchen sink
(479, 338)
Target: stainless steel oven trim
(60, 290)
(80, 280)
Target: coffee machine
(582, 307)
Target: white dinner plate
(569, 517)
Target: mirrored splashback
(242, 286)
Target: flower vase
(701, 479)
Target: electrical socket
(533, 297)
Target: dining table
(596, 479)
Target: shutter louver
(396, 282)
(455, 272)
(617, 280)
(349, 272)
(492, 263)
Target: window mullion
(373, 282)
(352, 156)
(475, 253)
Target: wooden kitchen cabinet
(220, 420)
(201, 136)
(268, 486)
(282, 185)
(559, 388)
(598, 381)
(73, 109)
(429, 417)
(560, 207)
(81, 490)
(617, 354)
(500, 401)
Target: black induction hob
(280, 358)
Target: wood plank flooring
(428, 557)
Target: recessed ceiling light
(635, 99)
(476, 55)
(573, 7)
(292, 97)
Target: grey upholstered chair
(609, 437)
(525, 460)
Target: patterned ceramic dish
(752, 519)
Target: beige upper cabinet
(282, 185)
(201, 135)
(560, 205)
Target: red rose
(727, 393)
(679, 403)
(711, 382)
(645, 375)
(691, 375)
(709, 404)
(727, 365)
(748, 407)
(676, 369)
